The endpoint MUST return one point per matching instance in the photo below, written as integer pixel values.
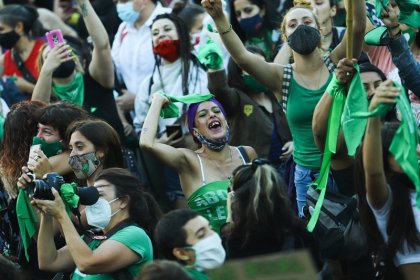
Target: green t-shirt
(301, 104)
(210, 202)
(134, 238)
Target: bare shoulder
(250, 152)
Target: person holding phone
(64, 76)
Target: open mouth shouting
(215, 126)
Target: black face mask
(304, 39)
(65, 69)
(9, 39)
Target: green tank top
(301, 104)
(210, 201)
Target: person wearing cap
(204, 173)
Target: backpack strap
(287, 76)
(22, 68)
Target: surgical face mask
(252, 26)
(9, 39)
(253, 84)
(99, 214)
(127, 13)
(209, 253)
(48, 148)
(65, 69)
(304, 39)
(214, 145)
(84, 165)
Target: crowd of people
(160, 139)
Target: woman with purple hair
(204, 173)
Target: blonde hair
(40, 60)
(300, 4)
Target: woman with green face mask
(63, 77)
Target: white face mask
(99, 214)
(209, 253)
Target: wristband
(227, 31)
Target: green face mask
(48, 148)
(253, 84)
(73, 92)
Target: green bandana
(356, 101)
(67, 193)
(210, 55)
(253, 84)
(48, 148)
(404, 144)
(73, 92)
(172, 110)
(377, 36)
(1, 127)
(336, 90)
(409, 13)
(26, 219)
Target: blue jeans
(303, 179)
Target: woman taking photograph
(301, 84)
(126, 214)
(204, 173)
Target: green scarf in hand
(26, 219)
(172, 110)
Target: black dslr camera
(42, 189)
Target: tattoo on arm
(83, 9)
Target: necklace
(220, 169)
(298, 75)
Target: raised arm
(226, 95)
(359, 24)
(376, 185)
(53, 59)
(269, 74)
(101, 68)
(169, 155)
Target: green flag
(409, 11)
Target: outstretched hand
(213, 7)
(210, 55)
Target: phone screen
(174, 128)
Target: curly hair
(20, 127)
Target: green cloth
(172, 110)
(132, 237)
(409, 11)
(73, 92)
(26, 218)
(404, 144)
(356, 101)
(337, 92)
(300, 109)
(1, 127)
(210, 202)
(67, 193)
(210, 55)
(377, 36)
(194, 273)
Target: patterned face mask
(84, 165)
(214, 145)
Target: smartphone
(54, 37)
(174, 128)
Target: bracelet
(395, 26)
(227, 31)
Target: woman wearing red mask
(177, 72)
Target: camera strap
(22, 68)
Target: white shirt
(172, 85)
(382, 217)
(132, 51)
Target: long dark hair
(261, 204)
(28, 15)
(20, 127)
(103, 136)
(271, 19)
(401, 224)
(185, 50)
(143, 208)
